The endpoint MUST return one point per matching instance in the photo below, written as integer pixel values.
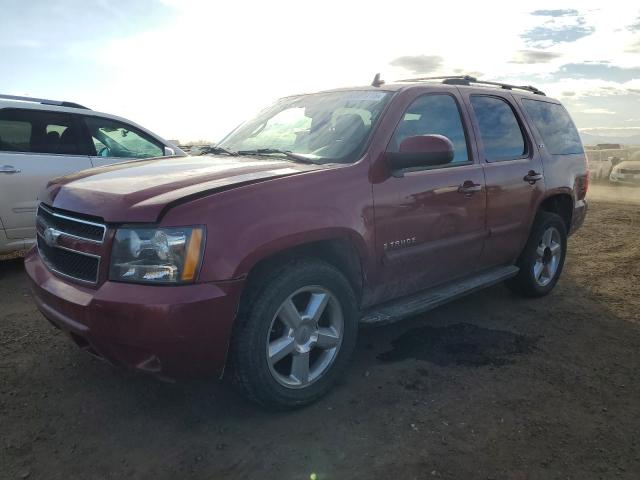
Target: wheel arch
(560, 203)
(344, 250)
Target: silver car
(42, 139)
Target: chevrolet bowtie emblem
(51, 236)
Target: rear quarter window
(555, 126)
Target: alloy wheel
(548, 255)
(305, 337)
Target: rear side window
(435, 114)
(15, 135)
(500, 131)
(554, 124)
(34, 131)
(115, 139)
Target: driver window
(115, 139)
(434, 114)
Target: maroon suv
(327, 210)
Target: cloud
(614, 129)
(635, 27)
(561, 26)
(542, 37)
(599, 71)
(534, 56)
(634, 48)
(568, 94)
(555, 13)
(418, 63)
(598, 111)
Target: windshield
(333, 126)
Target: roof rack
(468, 80)
(43, 101)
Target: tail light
(582, 182)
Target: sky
(193, 69)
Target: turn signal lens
(192, 258)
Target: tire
(276, 334)
(542, 259)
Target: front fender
(249, 223)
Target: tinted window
(499, 129)
(115, 139)
(433, 114)
(35, 131)
(554, 124)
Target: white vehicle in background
(43, 139)
(601, 162)
(627, 172)
(599, 167)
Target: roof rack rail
(468, 80)
(43, 101)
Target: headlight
(157, 255)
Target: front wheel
(296, 331)
(543, 257)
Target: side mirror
(169, 152)
(420, 151)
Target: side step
(428, 299)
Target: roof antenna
(377, 82)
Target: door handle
(469, 188)
(9, 169)
(532, 177)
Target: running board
(434, 297)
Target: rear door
(513, 173)
(113, 141)
(35, 146)
(430, 222)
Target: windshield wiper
(271, 151)
(217, 150)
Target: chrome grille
(629, 171)
(53, 229)
(71, 226)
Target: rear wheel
(295, 334)
(543, 257)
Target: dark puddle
(459, 344)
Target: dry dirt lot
(489, 387)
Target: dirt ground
(489, 387)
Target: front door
(430, 223)
(35, 146)
(116, 141)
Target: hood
(138, 191)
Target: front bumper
(169, 331)
(633, 180)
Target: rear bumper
(164, 330)
(579, 214)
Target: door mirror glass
(420, 151)
(169, 152)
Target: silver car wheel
(305, 337)
(548, 255)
